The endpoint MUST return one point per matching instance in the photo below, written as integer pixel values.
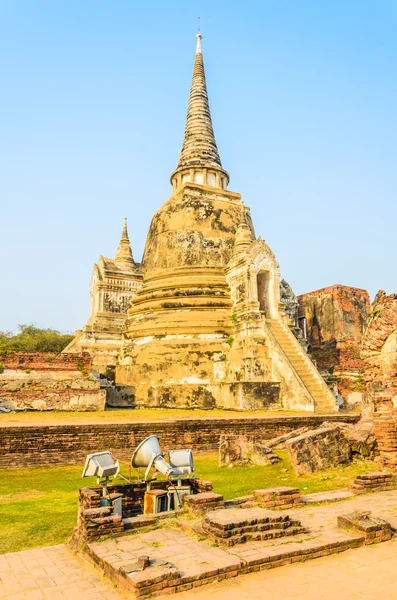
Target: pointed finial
(125, 232)
(124, 252)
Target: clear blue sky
(93, 99)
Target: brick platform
(372, 482)
(375, 530)
(199, 504)
(278, 497)
(237, 526)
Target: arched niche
(263, 289)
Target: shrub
(2, 367)
(32, 339)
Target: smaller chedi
(114, 283)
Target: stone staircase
(324, 401)
(240, 525)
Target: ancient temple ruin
(208, 328)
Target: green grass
(38, 506)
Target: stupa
(114, 283)
(207, 328)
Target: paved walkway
(55, 573)
(52, 573)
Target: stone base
(375, 530)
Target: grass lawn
(38, 506)
(141, 414)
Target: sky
(93, 99)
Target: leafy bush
(2, 367)
(32, 339)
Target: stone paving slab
(364, 574)
(326, 497)
(51, 573)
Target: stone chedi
(207, 327)
(114, 282)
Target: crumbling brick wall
(379, 341)
(49, 381)
(46, 361)
(384, 395)
(334, 314)
(335, 320)
(69, 444)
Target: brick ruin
(333, 320)
(379, 350)
(49, 381)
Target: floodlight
(101, 464)
(148, 454)
(143, 453)
(182, 460)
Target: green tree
(32, 339)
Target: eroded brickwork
(69, 444)
(49, 381)
(335, 319)
(46, 361)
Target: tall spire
(124, 252)
(199, 155)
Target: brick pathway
(55, 573)
(52, 573)
(365, 574)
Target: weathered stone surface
(334, 314)
(361, 436)
(319, 449)
(244, 450)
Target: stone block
(374, 529)
(198, 504)
(244, 450)
(319, 449)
